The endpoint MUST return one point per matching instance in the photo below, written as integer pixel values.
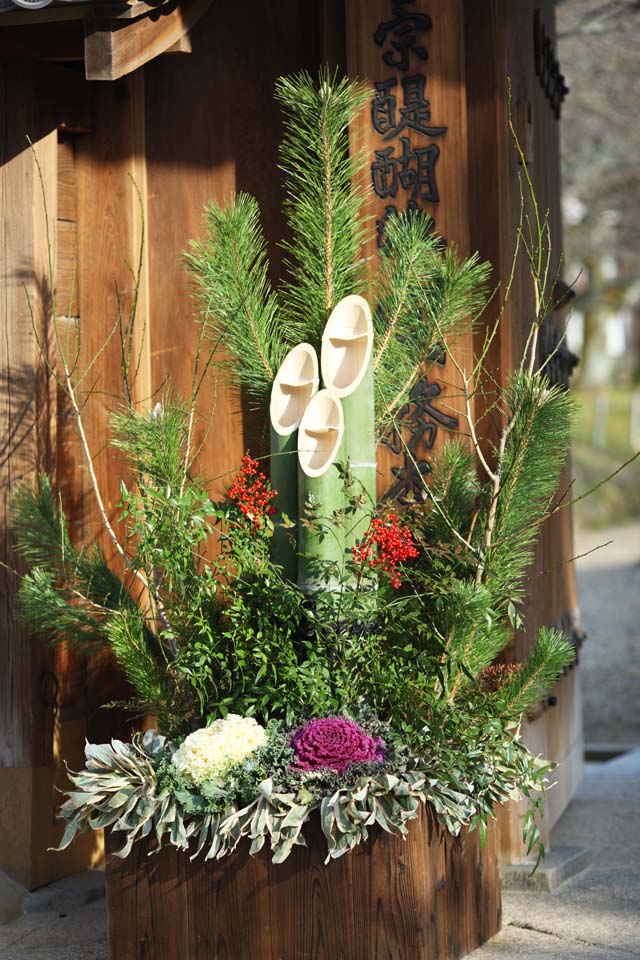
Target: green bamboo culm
(360, 451)
(321, 544)
(284, 479)
(295, 384)
(321, 541)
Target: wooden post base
(430, 897)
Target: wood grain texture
(499, 44)
(115, 48)
(444, 89)
(431, 897)
(227, 142)
(106, 246)
(30, 694)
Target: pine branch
(155, 445)
(134, 649)
(424, 296)
(540, 419)
(239, 310)
(59, 614)
(473, 635)
(321, 205)
(542, 668)
(454, 490)
(43, 541)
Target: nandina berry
(250, 490)
(387, 543)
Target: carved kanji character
(404, 28)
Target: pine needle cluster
(239, 310)
(423, 294)
(424, 297)
(534, 454)
(322, 206)
(478, 543)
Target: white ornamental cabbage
(208, 753)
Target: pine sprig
(60, 613)
(534, 453)
(59, 572)
(473, 636)
(239, 309)
(42, 538)
(154, 444)
(454, 490)
(425, 296)
(322, 207)
(525, 688)
(138, 653)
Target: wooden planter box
(430, 897)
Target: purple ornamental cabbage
(334, 742)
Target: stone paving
(609, 596)
(595, 915)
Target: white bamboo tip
(347, 343)
(296, 382)
(320, 433)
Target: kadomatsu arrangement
(300, 645)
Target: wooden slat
(66, 269)
(67, 180)
(27, 690)
(326, 931)
(106, 245)
(428, 897)
(24, 397)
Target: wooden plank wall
(96, 138)
(372, 30)
(29, 686)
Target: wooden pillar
(29, 689)
(414, 135)
(500, 44)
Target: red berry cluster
(250, 490)
(386, 544)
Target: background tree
(598, 44)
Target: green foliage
(139, 654)
(135, 789)
(534, 453)
(525, 688)
(454, 490)
(66, 593)
(425, 296)
(239, 310)
(321, 205)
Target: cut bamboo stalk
(347, 369)
(320, 493)
(295, 384)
